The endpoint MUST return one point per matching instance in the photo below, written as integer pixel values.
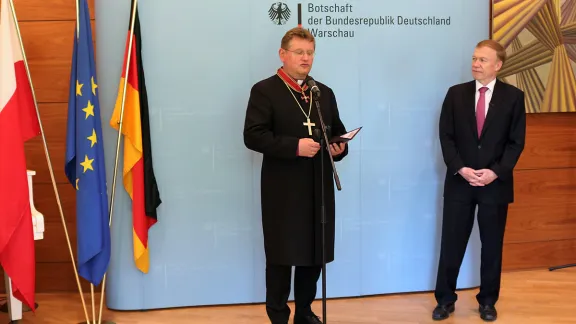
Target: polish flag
(18, 123)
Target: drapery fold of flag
(138, 172)
(18, 123)
(84, 163)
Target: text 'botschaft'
(329, 8)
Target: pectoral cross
(304, 97)
(309, 125)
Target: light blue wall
(200, 59)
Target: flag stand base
(103, 322)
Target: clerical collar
(291, 82)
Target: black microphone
(313, 87)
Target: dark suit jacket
(498, 148)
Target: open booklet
(346, 137)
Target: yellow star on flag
(94, 86)
(92, 138)
(89, 109)
(79, 88)
(87, 164)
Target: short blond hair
(500, 50)
(296, 32)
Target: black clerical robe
(291, 185)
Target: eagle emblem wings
(279, 13)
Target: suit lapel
(497, 96)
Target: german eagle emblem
(279, 13)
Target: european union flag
(85, 157)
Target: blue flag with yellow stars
(84, 165)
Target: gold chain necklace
(307, 123)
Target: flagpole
(77, 19)
(47, 153)
(128, 58)
(93, 305)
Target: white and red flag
(18, 124)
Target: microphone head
(313, 87)
(310, 81)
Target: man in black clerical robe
(280, 121)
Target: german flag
(138, 173)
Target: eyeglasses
(302, 52)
